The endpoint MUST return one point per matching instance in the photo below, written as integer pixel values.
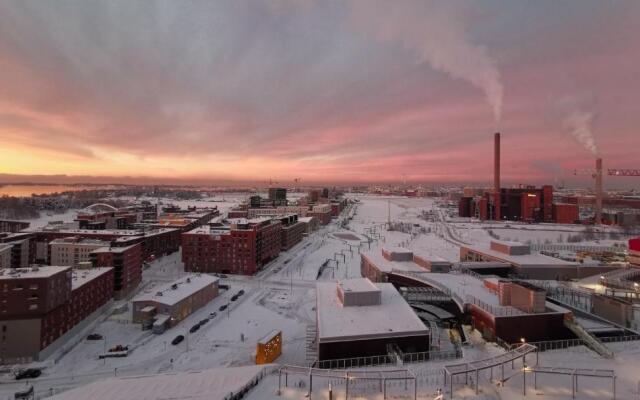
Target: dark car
(241, 292)
(223, 287)
(213, 314)
(94, 336)
(234, 297)
(204, 321)
(29, 373)
(177, 340)
(194, 328)
(223, 307)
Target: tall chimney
(598, 213)
(496, 176)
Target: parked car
(94, 336)
(29, 373)
(213, 315)
(194, 328)
(223, 276)
(223, 287)
(241, 292)
(234, 297)
(204, 321)
(223, 307)
(177, 340)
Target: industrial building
(242, 246)
(377, 264)
(42, 307)
(522, 262)
(176, 300)
(357, 318)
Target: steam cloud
(579, 125)
(437, 31)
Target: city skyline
(330, 91)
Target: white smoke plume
(437, 32)
(579, 125)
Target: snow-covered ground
(282, 296)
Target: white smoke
(579, 125)
(437, 31)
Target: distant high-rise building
(278, 196)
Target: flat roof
(113, 249)
(80, 277)
(80, 242)
(527, 260)
(211, 384)
(392, 318)
(31, 272)
(269, 336)
(358, 285)
(384, 265)
(185, 287)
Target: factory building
(357, 318)
(175, 301)
(42, 307)
(240, 247)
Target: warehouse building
(357, 318)
(176, 300)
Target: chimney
(496, 176)
(598, 213)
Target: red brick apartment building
(292, 231)
(241, 247)
(39, 305)
(126, 263)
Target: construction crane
(597, 174)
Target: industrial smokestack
(496, 176)
(598, 213)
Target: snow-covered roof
(375, 257)
(83, 276)
(392, 318)
(32, 272)
(358, 285)
(527, 260)
(306, 220)
(176, 291)
(211, 384)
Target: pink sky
(331, 91)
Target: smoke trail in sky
(437, 31)
(579, 125)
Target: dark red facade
(126, 263)
(243, 248)
(564, 213)
(634, 244)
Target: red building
(40, 305)
(564, 213)
(292, 231)
(126, 263)
(242, 247)
(523, 203)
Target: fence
(498, 311)
(386, 359)
(577, 247)
(567, 343)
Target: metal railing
(577, 247)
(386, 359)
